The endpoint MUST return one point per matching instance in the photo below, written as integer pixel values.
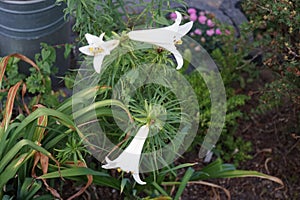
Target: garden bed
(224, 100)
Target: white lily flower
(129, 159)
(98, 48)
(165, 37)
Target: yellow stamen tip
(95, 50)
(119, 170)
(91, 49)
(179, 42)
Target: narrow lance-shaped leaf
(13, 167)
(4, 62)
(9, 105)
(89, 182)
(17, 147)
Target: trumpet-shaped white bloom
(165, 37)
(129, 159)
(98, 48)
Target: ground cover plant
(64, 133)
(275, 29)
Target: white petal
(159, 35)
(178, 17)
(101, 36)
(184, 29)
(92, 39)
(86, 50)
(169, 34)
(137, 178)
(98, 59)
(136, 145)
(175, 52)
(109, 165)
(110, 45)
(178, 58)
(129, 159)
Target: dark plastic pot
(24, 24)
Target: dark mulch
(276, 151)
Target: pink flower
(192, 11)
(201, 13)
(218, 31)
(227, 32)
(192, 34)
(210, 23)
(198, 31)
(202, 19)
(193, 17)
(210, 32)
(173, 16)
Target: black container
(24, 24)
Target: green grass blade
(245, 173)
(78, 171)
(107, 181)
(219, 170)
(188, 174)
(99, 178)
(178, 167)
(9, 156)
(11, 169)
(160, 189)
(29, 188)
(59, 116)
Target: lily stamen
(96, 50)
(178, 42)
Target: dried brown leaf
(89, 182)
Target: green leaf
(45, 54)
(160, 189)
(68, 48)
(188, 174)
(123, 184)
(99, 178)
(178, 167)
(219, 170)
(107, 181)
(29, 188)
(162, 20)
(12, 169)
(10, 155)
(78, 171)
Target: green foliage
(275, 25)
(229, 58)
(13, 75)
(74, 150)
(233, 149)
(107, 16)
(227, 144)
(163, 184)
(37, 81)
(40, 132)
(51, 132)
